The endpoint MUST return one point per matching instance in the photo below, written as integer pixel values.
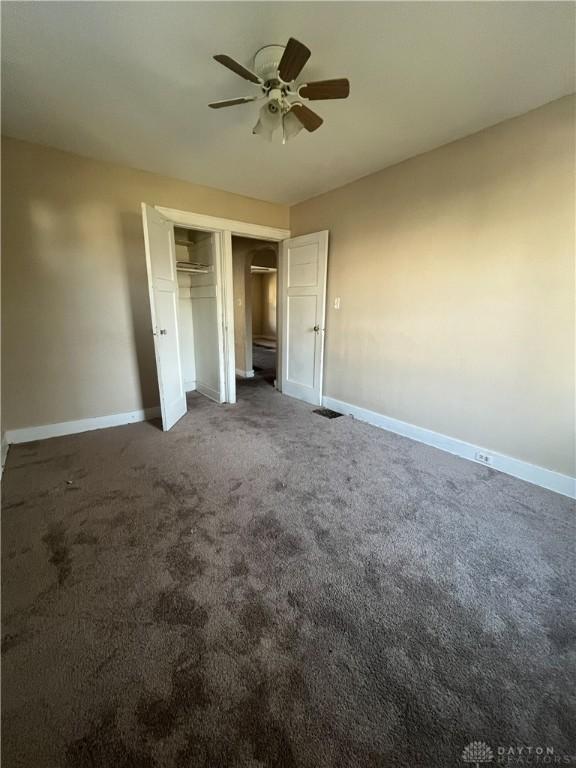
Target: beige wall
(264, 304)
(268, 297)
(256, 291)
(264, 291)
(76, 338)
(456, 276)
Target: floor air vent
(327, 413)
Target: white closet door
(163, 291)
(303, 299)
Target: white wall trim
(209, 392)
(244, 374)
(227, 292)
(5, 446)
(546, 478)
(217, 224)
(27, 434)
(189, 386)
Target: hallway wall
(268, 287)
(257, 303)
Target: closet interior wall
(197, 312)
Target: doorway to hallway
(255, 265)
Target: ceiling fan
(275, 69)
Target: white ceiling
(130, 82)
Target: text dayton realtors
(532, 755)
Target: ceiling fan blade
(309, 119)
(231, 102)
(238, 68)
(326, 89)
(293, 59)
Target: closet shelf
(189, 266)
(187, 243)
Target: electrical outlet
(483, 458)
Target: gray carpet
(265, 587)
(264, 362)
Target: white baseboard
(5, 446)
(28, 434)
(546, 478)
(189, 386)
(245, 374)
(207, 391)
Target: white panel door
(303, 298)
(163, 290)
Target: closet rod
(188, 266)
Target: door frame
(224, 229)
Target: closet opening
(197, 313)
(255, 286)
(207, 275)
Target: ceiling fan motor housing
(266, 61)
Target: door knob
(316, 328)
(163, 332)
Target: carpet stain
(182, 565)
(159, 717)
(171, 489)
(255, 617)
(103, 747)
(562, 634)
(268, 529)
(55, 540)
(267, 736)
(55, 462)
(188, 512)
(175, 607)
(322, 537)
(10, 641)
(14, 505)
(267, 526)
(253, 736)
(239, 567)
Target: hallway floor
(264, 362)
(265, 587)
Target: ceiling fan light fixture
(291, 127)
(261, 130)
(269, 120)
